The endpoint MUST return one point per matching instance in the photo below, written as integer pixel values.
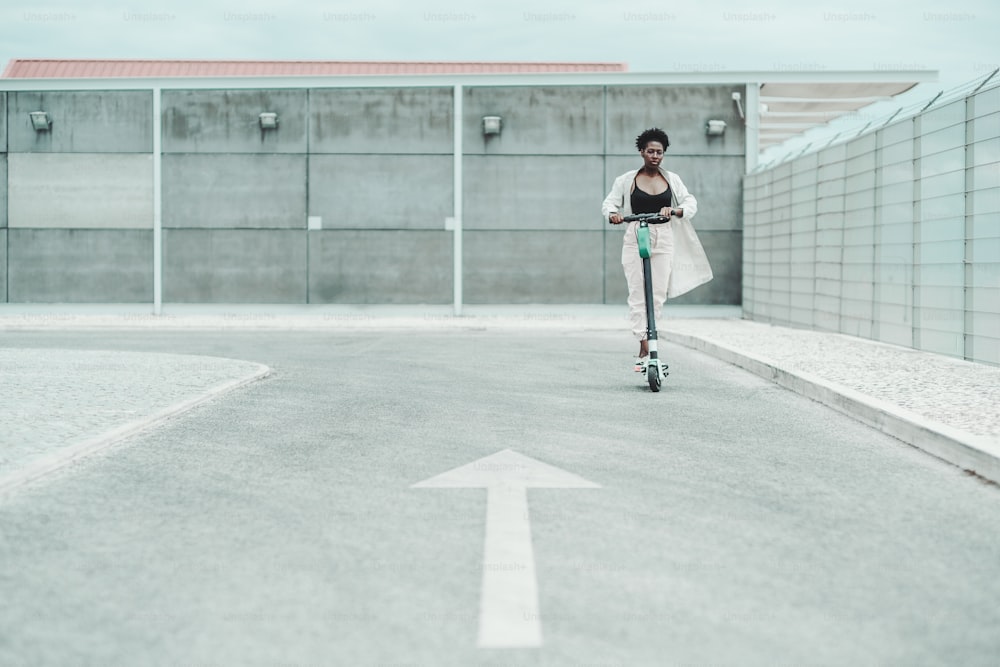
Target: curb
(67, 455)
(977, 454)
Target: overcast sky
(957, 38)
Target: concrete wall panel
(533, 192)
(3, 265)
(69, 190)
(227, 121)
(398, 267)
(80, 266)
(234, 266)
(3, 122)
(533, 267)
(547, 121)
(115, 121)
(375, 192)
(615, 288)
(385, 121)
(680, 111)
(716, 183)
(234, 191)
(3, 190)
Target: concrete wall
(536, 121)
(372, 170)
(391, 121)
(227, 121)
(73, 265)
(3, 121)
(397, 266)
(3, 265)
(894, 235)
(381, 192)
(681, 111)
(3, 190)
(79, 197)
(82, 122)
(517, 267)
(80, 190)
(234, 191)
(234, 266)
(3, 197)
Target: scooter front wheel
(653, 376)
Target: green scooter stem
(642, 234)
(642, 238)
(655, 371)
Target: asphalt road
(735, 523)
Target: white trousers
(661, 257)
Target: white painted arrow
(508, 604)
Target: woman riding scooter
(677, 259)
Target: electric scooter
(656, 370)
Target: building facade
(351, 198)
(124, 185)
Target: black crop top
(643, 202)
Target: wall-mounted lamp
(268, 120)
(40, 121)
(492, 125)
(739, 107)
(715, 127)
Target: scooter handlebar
(651, 218)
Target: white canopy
(789, 109)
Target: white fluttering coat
(690, 267)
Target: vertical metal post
(752, 113)
(968, 278)
(457, 122)
(878, 261)
(157, 206)
(604, 184)
(916, 296)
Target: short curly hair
(652, 134)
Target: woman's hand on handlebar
(616, 218)
(662, 216)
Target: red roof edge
(43, 68)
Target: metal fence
(893, 235)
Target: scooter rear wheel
(653, 376)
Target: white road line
(509, 614)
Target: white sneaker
(640, 364)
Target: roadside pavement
(947, 407)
